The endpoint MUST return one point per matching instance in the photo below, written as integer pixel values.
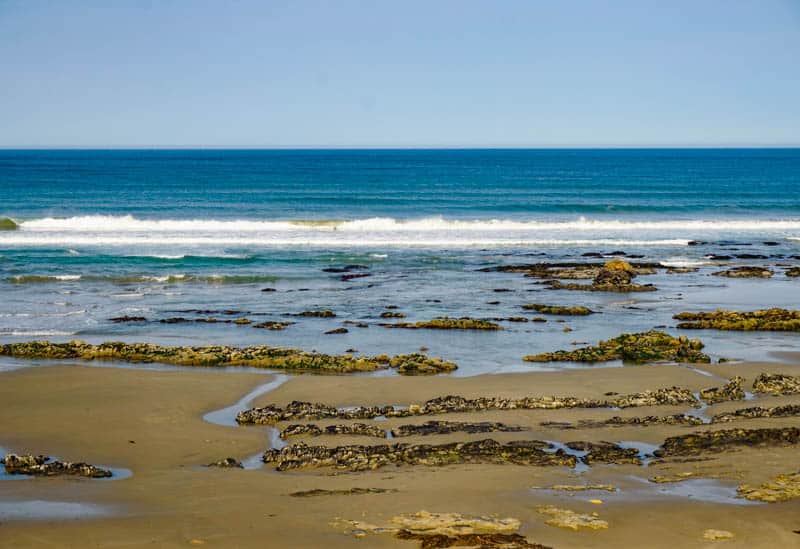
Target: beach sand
(151, 422)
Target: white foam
(35, 333)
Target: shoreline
(232, 507)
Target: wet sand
(92, 414)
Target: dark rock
(309, 429)
(337, 331)
(273, 325)
(605, 452)
(475, 541)
(43, 466)
(558, 309)
(318, 314)
(446, 323)
(446, 427)
(780, 320)
(777, 384)
(392, 314)
(715, 441)
(352, 276)
(269, 290)
(745, 272)
(349, 492)
(732, 390)
(227, 463)
(788, 410)
(126, 318)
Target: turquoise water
(156, 233)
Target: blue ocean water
(158, 233)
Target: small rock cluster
(45, 467)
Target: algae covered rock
(777, 384)
(576, 310)
(652, 346)
(447, 323)
(745, 272)
(45, 467)
(714, 441)
(361, 429)
(782, 488)
(261, 356)
(787, 410)
(732, 390)
(775, 319)
(8, 224)
(446, 427)
(363, 458)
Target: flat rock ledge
(261, 356)
(777, 384)
(782, 488)
(299, 410)
(713, 441)
(364, 458)
(768, 320)
(43, 466)
(652, 346)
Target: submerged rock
(777, 384)
(362, 458)
(445, 427)
(699, 442)
(576, 310)
(261, 356)
(732, 390)
(45, 467)
(346, 429)
(571, 520)
(783, 488)
(446, 323)
(774, 319)
(649, 346)
(745, 272)
(227, 463)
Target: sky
(381, 73)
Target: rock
(269, 290)
(361, 429)
(446, 323)
(8, 224)
(681, 270)
(348, 492)
(476, 541)
(417, 364)
(126, 318)
(774, 319)
(326, 313)
(261, 356)
(616, 421)
(783, 488)
(578, 487)
(571, 520)
(352, 276)
(558, 309)
(717, 535)
(242, 321)
(446, 427)
(43, 466)
(649, 346)
(788, 410)
(605, 452)
(715, 441)
(362, 458)
(571, 271)
(346, 269)
(356, 324)
(732, 390)
(337, 331)
(227, 463)
(392, 314)
(272, 325)
(777, 384)
(745, 272)
(297, 410)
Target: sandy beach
(151, 422)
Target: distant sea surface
(152, 233)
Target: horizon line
(395, 147)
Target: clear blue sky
(381, 73)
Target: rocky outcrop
(298, 410)
(446, 323)
(774, 320)
(635, 421)
(362, 458)
(227, 463)
(576, 310)
(260, 356)
(272, 325)
(570, 271)
(309, 429)
(605, 452)
(787, 410)
(126, 318)
(446, 427)
(326, 313)
(714, 441)
(43, 466)
(571, 520)
(615, 276)
(652, 346)
(745, 272)
(782, 488)
(348, 492)
(732, 390)
(392, 314)
(777, 384)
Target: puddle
(58, 510)
(580, 466)
(645, 449)
(699, 489)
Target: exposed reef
(272, 325)
(309, 429)
(732, 390)
(576, 310)
(616, 421)
(605, 452)
(298, 410)
(745, 272)
(326, 313)
(362, 458)
(446, 323)
(43, 466)
(348, 492)
(783, 488)
(777, 320)
(445, 427)
(569, 271)
(260, 356)
(787, 410)
(652, 346)
(696, 443)
(777, 384)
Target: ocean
(161, 234)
